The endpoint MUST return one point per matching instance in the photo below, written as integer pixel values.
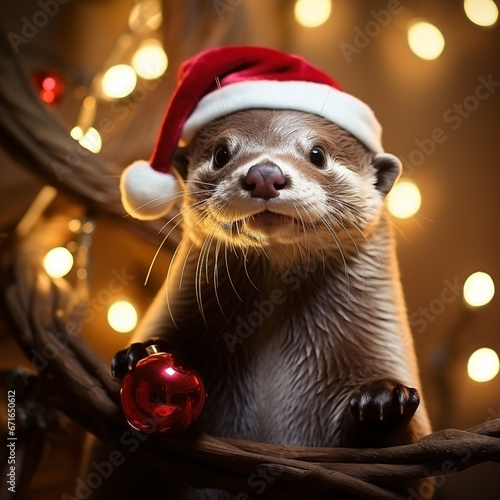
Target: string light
(90, 140)
(479, 289)
(118, 81)
(122, 316)
(483, 365)
(50, 86)
(312, 13)
(76, 133)
(150, 60)
(404, 200)
(146, 16)
(425, 40)
(58, 262)
(481, 12)
(74, 225)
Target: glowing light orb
(150, 61)
(119, 81)
(76, 133)
(483, 365)
(481, 12)
(50, 86)
(312, 13)
(58, 262)
(122, 316)
(90, 140)
(479, 289)
(425, 40)
(404, 200)
(146, 15)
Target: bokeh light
(76, 133)
(146, 15)
(312, 13)
(479, 289)
(90, 140)
(122, 316)
(58, 262)
(150, 60)
(50, 86)
(119, 81)
(404, 199)
(481, 12)
(483, 365)
(425, 40)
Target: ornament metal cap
(152, 349)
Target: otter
(284, 292)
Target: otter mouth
(271, 225)
(269, 220)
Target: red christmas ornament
(50, 86)
(160, 395)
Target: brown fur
(288, 322)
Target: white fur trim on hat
(337, 106)
(146, 193)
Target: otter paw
(384, 403)
(126, 359)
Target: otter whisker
(216, 279)
(302, 223)
(199, 282)
(198, 182)
(286, 257)
(320, 241)
(228, 272)
(352, 222)
(339, 222)
(352, 208)
(261, 246)
(163, 242)
(170, 197)
(182, 212)
(326, 223)
(210, 240)
(154, 259)
(398, 229)
(245, 267)
(167, 298)
(368, 242)
(360, 257)
(203, 263)
(187, 233)
(167, 280)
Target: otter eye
(317, 156)
(221, 156)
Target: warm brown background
(455, 233)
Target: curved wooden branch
(81, 386)
(36, 140)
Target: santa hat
(224, 80)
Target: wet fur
(323, 290)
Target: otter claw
(384, 402)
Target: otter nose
(264, 181)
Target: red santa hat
(224, 80)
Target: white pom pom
(146, 193)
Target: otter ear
(388, 169)
(180, 161)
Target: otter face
(264, 178)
